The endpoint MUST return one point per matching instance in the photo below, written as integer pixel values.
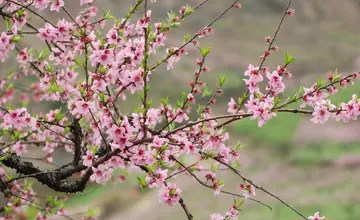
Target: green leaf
(172, 126)
(10, 74)
(187, 37)
(205, 51)
(320, 82)
(179, 103)
(107, 15)
(148, 104)
(10, 106)
(221, 80)
(189, 10)
(59, 115)
(54, 88)
(5, 157)
(7, 25)
(175, 24)
(43, 54)
(142, 181)
(214, 168)
(208, 155)
(171, 16)
(16, 38)
(242, 99)
(206, 92)
(289, 59)
(21, 12)
(240, 203)
(277, 101)
(49, 67)
(236, 164)
(91, 213)
(184, 96)
(102, 97)
(336, 76)
(200, 109)
(165, 101)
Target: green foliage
(277, 131)
(289, 59)
(320, 153)
(205, 51)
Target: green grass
(91, 194)
(344, 95)
(277, 131)
(320, 153)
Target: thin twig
(260, 187)
(193, 38)
(211, 187)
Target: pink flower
(88, 158)
(237, 5)
(316, 216)
(181, 116)
(170, 194)
(136, 77)
(191, 98)
(40, 216)
(275, 85)
(86, 2)
(252, 85)
(247, 190)
(254, 73)
(23, 57)
(158, 142)
(232, 107)
(41, 4)
(101, 174)
(143, 156)
(4, 40)
(83, 107)
(157, 178)
(19, 118)
(261, 110)
(56, 5)
(217, 187)
(153, 117)
(61, 212)
(47, 32)
(224, 152)
(112, 36)
(290, 12)
(175, 57)
(216, 216)
(116, 162)
(321, 114)
(216, 139)
(233, 212)
(19, 148)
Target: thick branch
(77, 139)
(54, 180)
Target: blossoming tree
(91, 71)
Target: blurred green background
(313, 167)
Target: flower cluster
(170, 194)
(19, 119)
